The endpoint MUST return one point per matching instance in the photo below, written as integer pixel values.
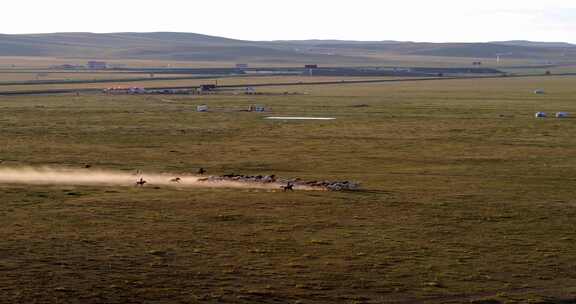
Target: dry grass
(377, 58)
(469, 197)
(68, 76)
(44, 62)
(188, 82)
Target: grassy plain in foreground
(468, 197)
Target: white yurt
(540, 115)
(539, 91)
(202, 108)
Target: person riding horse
(140, 182)
(288, 187)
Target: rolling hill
(189, 46)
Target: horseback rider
(289, 187)
(140, 182)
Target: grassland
(376, 59)
(30, 77)
(36, 62)
(468, 197)
(32, 73)
(189, 83)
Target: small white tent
(539, 91)
(562, 115)
(202, 108)
(541, 115)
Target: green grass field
(468, 198)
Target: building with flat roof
(97, 65)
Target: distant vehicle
(207, 87)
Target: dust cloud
(91, 177)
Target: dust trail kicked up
(90, 177)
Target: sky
(405, 20)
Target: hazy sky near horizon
(414, 20)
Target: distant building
(97, 65)
(241, 66)
(66, 67)
(310, 68)
(123, 90)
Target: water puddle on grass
(301, 118)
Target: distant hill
(536, 44)
(189, 46)
(108, 45)
(511, 49)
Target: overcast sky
(414, 20)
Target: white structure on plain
(541, 115)
(562, 115)
(253, 108)
(202, 108)
(539, 91)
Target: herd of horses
(286, 185)
(141, 182)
